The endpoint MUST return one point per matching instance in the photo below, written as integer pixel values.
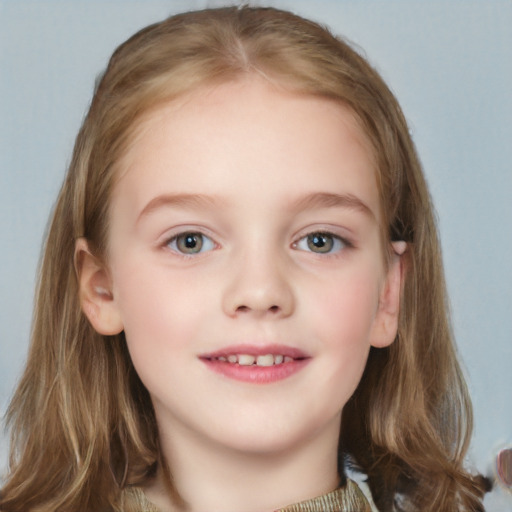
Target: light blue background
(450, 64)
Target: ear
(95, 290)
(385, 325)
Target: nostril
(245, 309)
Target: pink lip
(257, 374)
(257, 350)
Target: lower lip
(256, 374)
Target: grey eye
(320, 242)
(191, 243)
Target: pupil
(190, 243)
(320, 242)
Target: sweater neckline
(348, 498)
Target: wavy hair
(82, 424)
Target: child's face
(246, 222)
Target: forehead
(247, 136)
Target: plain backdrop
(450, 65)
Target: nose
(259, 286)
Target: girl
(241, 294)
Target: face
(246, 267)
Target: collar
(348, 498)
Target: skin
(266, 165)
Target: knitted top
(348, 498)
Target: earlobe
(385, 325)
(95, 290)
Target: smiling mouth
(257, 364)
(252, 360)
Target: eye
(321, 243)
(191, 242)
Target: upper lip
(257, 350)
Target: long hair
(83, 427)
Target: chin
(278, 438)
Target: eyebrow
(307, 202)
(330, 200)
(182, 200)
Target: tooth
(278, 359)
(232, 358)
(246, 360)
(266, 360)
(222, 358)
(288, 359)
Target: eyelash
(173, 243)
(335, 243)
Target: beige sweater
(348, 498)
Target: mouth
(249, 360)
(256, 364)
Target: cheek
(344, 316)
(348, 307)
(159, 315)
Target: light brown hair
(82, 423)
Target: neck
(207, 476)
